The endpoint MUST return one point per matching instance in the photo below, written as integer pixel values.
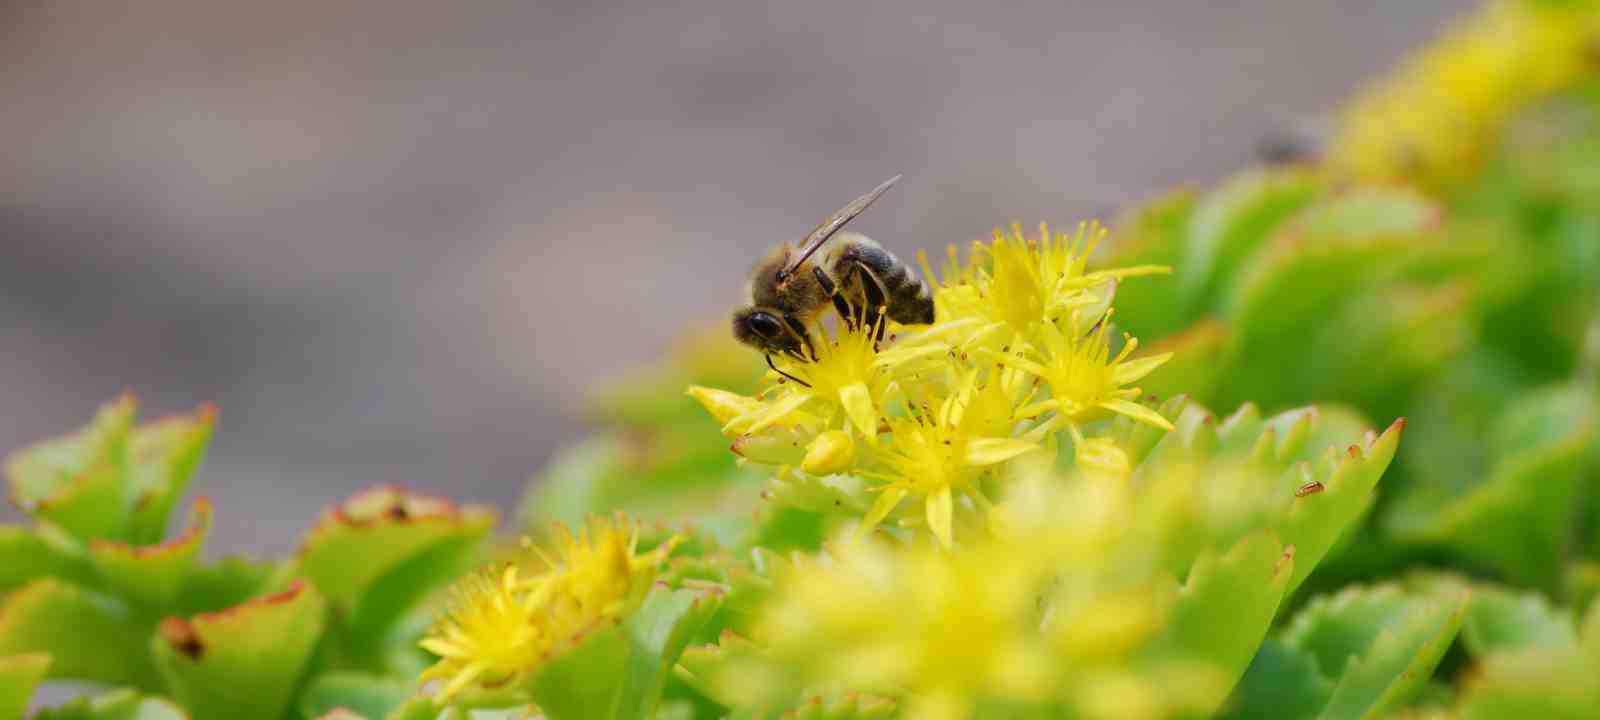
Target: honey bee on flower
(1015, 346)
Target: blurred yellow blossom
(502, 626)
(1008, 289)
(939, 453)
(947, 628)
(1085, 379)
(1435, 118)
(489, 634)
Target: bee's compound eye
(765, 325)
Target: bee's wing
(834, 222)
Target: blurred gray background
(395, 241)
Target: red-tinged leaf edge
(185, 634)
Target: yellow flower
(500, 627)
(489, 634)
(1009, 288)
(1100, 457)
(1085, 379)
(940, 453)
(596, 576)
(850, 380)
(1434, 119)
(844, 373)
(944, 628)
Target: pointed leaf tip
(256, 650)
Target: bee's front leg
(775, 369)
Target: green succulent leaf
(164, 455)
(655, 472)
(46, 551)
(1535, 682)
(417, 708)
(653, 397)
(124, 704)
(1155, 234)
(366, 695)
(733, 672)
(1293, 473)
(89, 636)
(570, 487)
(1499, 619)
(1519, 517)
(243, 662)
(375, 556)
(1196, 363)
(79, 482)
(223, 584)
(1332, 251)
(1316, 520)
(152, 576)
(1222, 612)
(19, 674)
(1379, 644)
(1282, 683)
(1231, 222)
(618, 672)
(111, 480)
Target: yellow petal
(723, 405)
(1032, 409)
(1134, 370)
(1137, 412)
(988, 451)
(941, 512)
(770, 415)
(881, 509)
(900, 355)
(441, 647)
(857, 404)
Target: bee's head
(766, 330)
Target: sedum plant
(95, 589)
(988, 516)
(1131, 475)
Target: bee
(861, 280)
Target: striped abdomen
(907, 298)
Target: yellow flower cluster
(1020, 349)
(1435, 118)
(502, 625)
(1054, 611)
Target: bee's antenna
(832, 225)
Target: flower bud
(832, 452)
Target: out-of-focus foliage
(1024, 510)
(1461, 292)
(95, 590)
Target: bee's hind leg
(877, 302)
